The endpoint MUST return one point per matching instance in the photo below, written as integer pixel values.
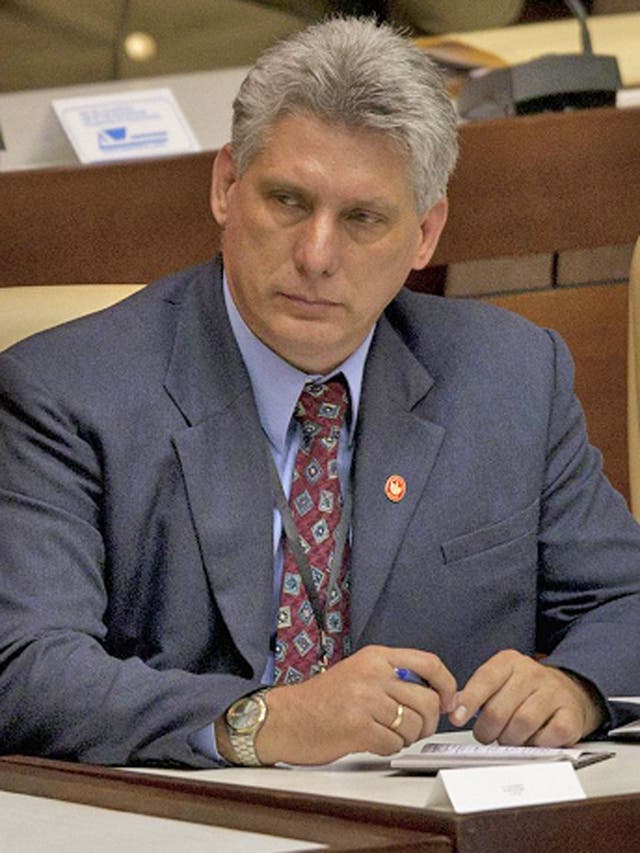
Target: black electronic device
(551, 82)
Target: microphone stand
(552, 82)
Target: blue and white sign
(125, 126)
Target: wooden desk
(613, 35)
(336, 824)
(381, 811)
(43, 825)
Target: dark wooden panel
(523, 185)
(593, 322)
(118, 223)
(545, 183)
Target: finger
(384, 741)
(394, 718)
(419, 722)
(562, 729)
(490, 678)
(431, 669)
(423, 702)
(514, 713)
(525, 721)
(411, 727)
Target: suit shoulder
(470, 338)
(463, 325)
(421, 308)
(115, 356)
(120, 331)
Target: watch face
(245, 714)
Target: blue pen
(409, 675)
(413, 677)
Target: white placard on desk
(125, 125)
(482, 788)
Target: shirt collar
(277, 384)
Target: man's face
(320, 233)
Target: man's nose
(317, 248)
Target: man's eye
(365, 217)
(287, 200)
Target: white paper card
(125, 125)
(481, 788)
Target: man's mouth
(308, 301)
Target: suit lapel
(222, 456)
(223, 459)
(394, 437)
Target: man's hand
(351, 706)
(521, 701)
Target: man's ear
(431, 225)
(222, 179)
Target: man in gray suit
(146, 547)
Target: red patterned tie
(315, 504)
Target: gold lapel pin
(395, 488)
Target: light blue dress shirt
(277, 386)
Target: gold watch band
(243, 739)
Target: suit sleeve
(589, 558)
(61, 694)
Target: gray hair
(357, 74)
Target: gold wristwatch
(244, 719)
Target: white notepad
(448, 756)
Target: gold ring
(397, 720)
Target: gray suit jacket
(135, 517)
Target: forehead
(311, 152)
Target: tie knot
(322, 407)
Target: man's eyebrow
(273, 184)
(376, 203)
